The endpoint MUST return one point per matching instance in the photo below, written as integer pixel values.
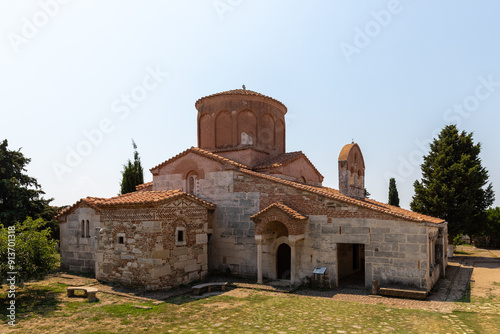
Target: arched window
(82, 229)
(192, 183)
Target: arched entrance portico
(278, 228)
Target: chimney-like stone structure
(352, 171)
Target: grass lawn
(46, 309)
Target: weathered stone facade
(143, 249)
(78, 237)
(249, 208)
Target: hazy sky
(80, 79)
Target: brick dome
(241, 119)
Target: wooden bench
(197, 288)
(88, 292)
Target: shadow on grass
(39, 300)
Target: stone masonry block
(395, 238)
(416, 238)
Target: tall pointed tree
(132, 174)
(393, 193)
(454, 184)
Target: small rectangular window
(121, 240)
(180, 236)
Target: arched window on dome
(193, 183)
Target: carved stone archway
(275, 225)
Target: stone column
(259, 240)
(293, 239)
(293, 243)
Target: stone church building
(239, 203)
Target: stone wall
(140, 247)
(396, 251)
(77, 248)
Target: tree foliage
(20, 194)
(132, 174)
(35, 252)
(454, 184)
(393, 193)
(492, 230)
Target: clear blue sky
(388, 74)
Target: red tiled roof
(149, 197)
(344, 153)
(90, 201)
(144, 186)
(279, 160)
(134, 198)
(323, 191)
(289, 211)
(365, 203)
(204, 153)
(244, 92)
(283, 160)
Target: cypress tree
(132, 174)
(454, 184)
(393, 193)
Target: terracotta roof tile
(135, 198)
(279, 160)
(323, 191)
(203, 153)
(145, 186)
(283, 160)
(243, 92)
(289, 211)
(366, 203)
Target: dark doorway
(351, 265)
(284, 261)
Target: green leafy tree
(492, 230)
(393, 193)
(132, 174)
(20, 194)
(454, 184)
(32, 253)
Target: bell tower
(352, 171)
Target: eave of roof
(242, 92)
(318, 190)
(286, 209)
(366, 203)
(201, 152)
(136, 198)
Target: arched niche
(267, 132)
(223, 129)
(206, 131)
(280, 136)
(247, 127)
